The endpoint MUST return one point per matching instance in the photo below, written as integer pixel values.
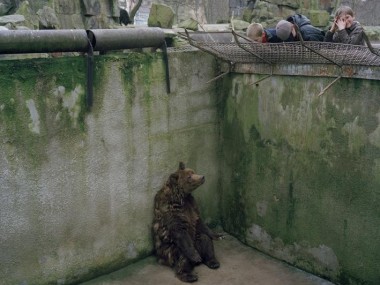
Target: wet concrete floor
(240, 265)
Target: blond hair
(255, 31)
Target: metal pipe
(115, 39)
(41, 41)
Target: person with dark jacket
(345, 29)
(271, 36)
(286, 31)
(257, 33)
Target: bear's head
(186, 179)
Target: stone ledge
(314, 70)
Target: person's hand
(334, 26)
(341, 24)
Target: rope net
(234, 48)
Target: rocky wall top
(62, 14)
(58, 14)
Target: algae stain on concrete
(131, 251)
(320, 259)
(240, 104)
(262, 207)
(357, 137)
(293, 116)
(291, 206)
(317, 155)
(34, 126)
(374, 137)
(71, 101)
(325, 257)
(133, 66)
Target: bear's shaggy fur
(181, 239)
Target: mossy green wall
(77, 187)
(300, 173)
(290, 173)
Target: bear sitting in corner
(181, 239)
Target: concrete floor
(240, 265)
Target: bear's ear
(181, 165)
(173, 179)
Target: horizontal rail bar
(39, 41)
(115, 39)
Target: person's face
(348, 19)
(293, 32)
(260, 39)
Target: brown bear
(180, 237)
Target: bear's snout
(203, 179)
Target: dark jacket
(271, 36)
(352, 35)
(308, 31)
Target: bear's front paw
(187, 277)
(196, 258)
(217, 236)
(213, 264)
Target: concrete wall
(301, 173)
(290, 173)
(77, 187)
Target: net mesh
(228, 47)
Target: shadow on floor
(240, 265)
